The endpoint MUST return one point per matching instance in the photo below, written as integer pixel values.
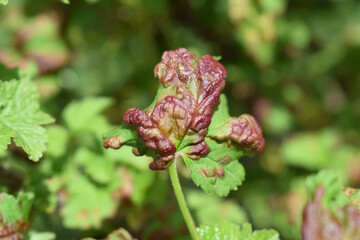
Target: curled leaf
(186, 120)
(331, 213)
(243, 131)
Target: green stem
(181, 200)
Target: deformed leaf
(123, 135)
(217, 172)
(185, 119)
(21, 117)
(330, 211)
(243, 132)
(333, 197)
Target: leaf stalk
(181, 199)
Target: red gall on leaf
(244, 131)
(188, 96)
(321, 223)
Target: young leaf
(21, 117)
(4, 2)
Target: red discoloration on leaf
(47, 57)
(312, 218)
(204, 112)
(184, 107)
(171, 117)
(205, 172)
(220, 172)
(321, 223)
(225, 160)
(113, 142)
(13, 231)
(6, 232)
(148, 131)
(211, 76)
(175, 66)
(198, 150)
(246, 131)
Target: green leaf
(126, 157)
(14, 209)
(9, 208)
(224, 231)
(211, 209)
(221, 114)
(101, 200)
(142, 180)
(124, 134)
(120, 234)
(58, 140)
(271, 6)
(20, 117)
(333, 197)
(221, 158)
(84, 115)
(4, 2)
(41, 235)
(247, 234)
(310, 150)
(230, 231)
(65, 1)
(97, 166)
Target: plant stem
(181, 200)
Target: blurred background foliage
(293, 64)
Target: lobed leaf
(21, 117)
(231, 231)
(217, 172)
(13, 209)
